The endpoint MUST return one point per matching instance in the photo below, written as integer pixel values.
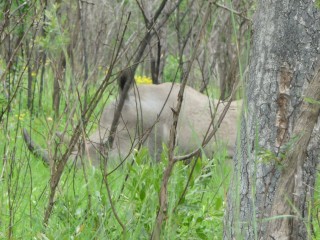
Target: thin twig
(129, 75)
(57, 172)
(163, 198)
(232, 11)
(145, 18)
(211, 134)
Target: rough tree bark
(284, 60)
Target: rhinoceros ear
(125, 77)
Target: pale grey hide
(147, 118)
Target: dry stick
(145, 18)
(287, 196)
(115, 122)
(85, 57)
(130, 75)
(207, 138)
(183, 44)
(83, 165)
(139, 144)
(208, 135)
(160, 23)
(57, 172)
(86, 73)
(113, 129)
(163, 198)
(147, 132)
(240, 14)
(9, 65)
(205, 141)
(43, 60)
(6, 20)
(55, 178)
(147, 22)
(164, 20)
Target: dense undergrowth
(82, 209)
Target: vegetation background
(59, 62)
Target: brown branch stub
(287, 196)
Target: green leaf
(199, 219)
(218, 203)
(201, 234)
(3, 101)
(142, 193)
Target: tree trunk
(275, 165)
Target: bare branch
(240, 14)
(162, 212)
(158, 12)
(145, 18)
(130, 75)
(58, 169)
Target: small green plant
(56, 37)
(170, 73)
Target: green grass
(82, 209)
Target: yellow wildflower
(143, 80)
